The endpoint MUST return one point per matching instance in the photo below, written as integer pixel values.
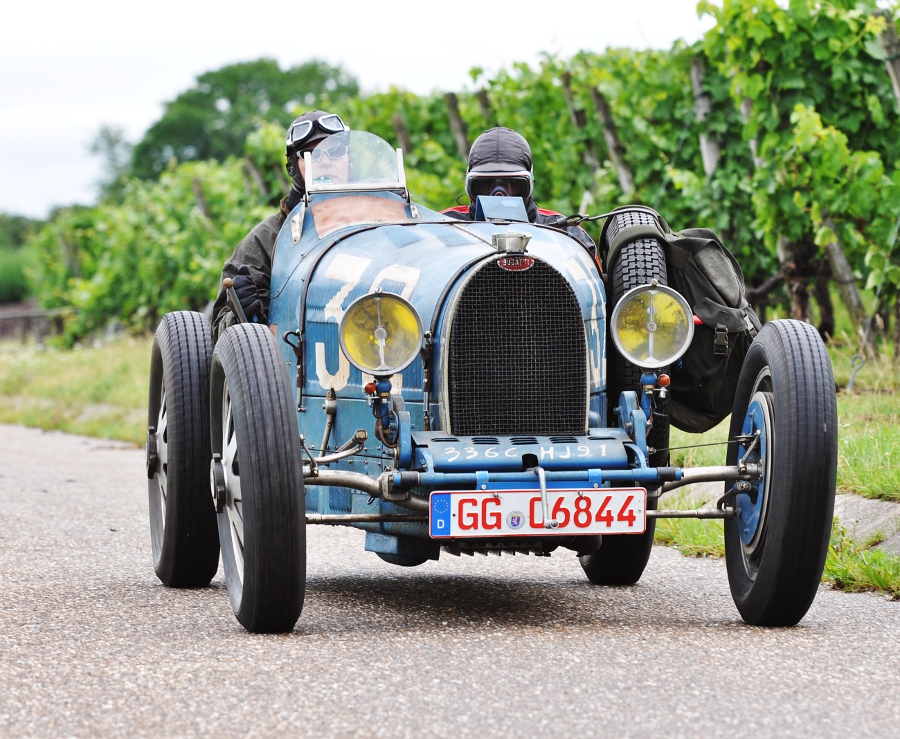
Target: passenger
(250, 266)
(500, 164)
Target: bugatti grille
(517, 355)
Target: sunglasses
(301, 131)
(335, 151)
(517, 187)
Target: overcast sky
(66, 68)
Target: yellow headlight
(381, 334)
(652, 326)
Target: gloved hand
(248, 295)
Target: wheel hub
(217, 482)
(751, 499)
(152, 453)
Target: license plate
(464, 514)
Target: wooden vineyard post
(589, 156)
(457, 125)
(746, 107)
(202, 205)
(251, 172)
(790, 254)
(485, 102)
(613, 144)
(70, 255)
(790, 259)
(890, 44)
(709, 145)
(846, 282)
(402, 132)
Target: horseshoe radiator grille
(517, 354)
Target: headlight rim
(682, 302)
(390, 371)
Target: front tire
(262, 524)
(775, 547)
(183, 528)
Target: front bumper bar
(395, 486)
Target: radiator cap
(510, 241)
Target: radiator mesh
(517, 355)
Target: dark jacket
(256, 251)
(534, 216)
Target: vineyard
(780, 131)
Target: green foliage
(115, 152)
(266, 161)
(434, 170)
(821, 113)
(160, 250)
(15, 231)
(16, 259)
(816, 176)
(811, 53)
(14, 264)
(213, 119)
(821, 116)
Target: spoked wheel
(182, 519)
(622, 558)
(257, 480)
(785, 422)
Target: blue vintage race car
(468, 387)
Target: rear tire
(183, 529)
(621, 558)
(402, 560)
(262, 527)
(775, 547)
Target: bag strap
(720, 343)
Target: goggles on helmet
(335, 151)
(514, 184)
(302, 130)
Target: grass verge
(691, 536)
(868, 434)
(95, 391)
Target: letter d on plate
(440, 514)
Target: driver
(250, 266)
(500, 164)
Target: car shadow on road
(426, 601)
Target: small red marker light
(698, 321)
(664, 380)
(370, 388)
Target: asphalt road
(92, 645)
